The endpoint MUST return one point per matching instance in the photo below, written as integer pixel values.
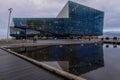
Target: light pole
(8, 30)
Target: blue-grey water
(91, 61)
(111, 68)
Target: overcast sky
(50, 8)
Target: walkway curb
(47, 67)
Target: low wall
(47, 67)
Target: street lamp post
(10, 11)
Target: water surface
(91, 61)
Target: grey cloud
(50, 8)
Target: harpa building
(73, 20)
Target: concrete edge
(45, 66)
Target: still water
(91, 61)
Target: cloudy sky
(50, 8)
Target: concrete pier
(49, 42)
(66, 75)
(41, 74)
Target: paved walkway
(15, 68)
(52, 42)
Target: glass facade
(85, 20)
(74, 19)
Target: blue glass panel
(85, 20)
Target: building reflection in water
(76, 59)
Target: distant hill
(111, 34)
